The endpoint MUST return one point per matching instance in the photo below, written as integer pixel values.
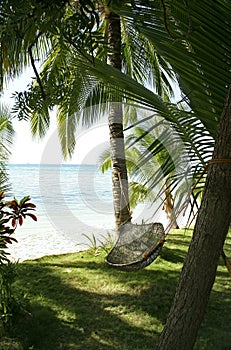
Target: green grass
(78, 302)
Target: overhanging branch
(34, 67)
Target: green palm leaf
(6, 140)
(181, 31)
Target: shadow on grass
(176, 256)
(214, 333)
(67, 317)
(78, 302)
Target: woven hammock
(137, 246)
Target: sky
(27, 150)
(90, 143)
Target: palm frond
(67, 124)
(105, 161)
(193, 38)
(6, 141)
(21, 35)
(6, 133)
(142, 62)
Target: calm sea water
(77, 193)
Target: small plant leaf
(13, 222)
(29, 205)
(24, 200)
(20, 220)
(34, 217)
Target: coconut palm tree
(160, 165)
(87, 31)
(149, 180)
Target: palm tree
(89, 31)
(154, 162)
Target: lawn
(76, 302)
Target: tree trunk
(199, 270)
(115, 120)
(169, 207)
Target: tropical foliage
(12, 213)
(178, 33)
(77, 38)
(162, 41)
(6, 139)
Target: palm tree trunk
(199, 270)
(169, 207)
(115, 120)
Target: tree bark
(115, 120)
(169, 207)
(199, 270)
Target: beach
(37, 245)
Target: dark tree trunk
(115, 120)
(199, 270)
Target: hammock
(137, 246)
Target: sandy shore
(36, 245)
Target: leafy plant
(8, 301)
(12, 213)
(99, 245)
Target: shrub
(12, 213)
